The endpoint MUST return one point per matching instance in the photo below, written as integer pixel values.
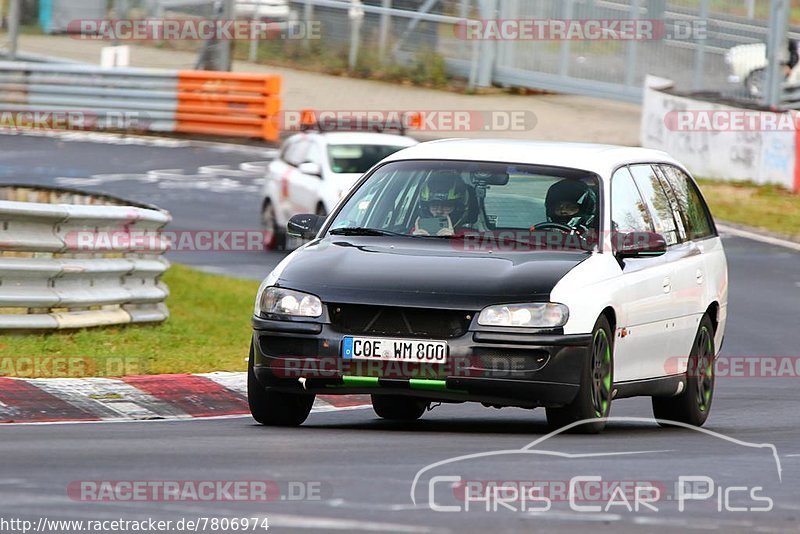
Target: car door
(295, 155)
(691, 270)
(644, 310)
(306, 189)
(662, 360)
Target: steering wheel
(556, 226)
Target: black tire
(274, 235)
(273, 408)
(755, 82)
(693, 405)
(593, 400)
(395, 408)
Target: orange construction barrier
(230, 104)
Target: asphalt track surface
(362, 468)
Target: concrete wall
(758, 154)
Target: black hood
(423, 273)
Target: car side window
(693, 211)
(296, 152)
(657, 201)
(629, 213)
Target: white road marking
(759, 237)
(335, 523)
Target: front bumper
(499, 366)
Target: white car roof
(600, 159)
(362, 138)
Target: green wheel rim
(704, 367)
(601, 373)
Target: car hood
(423, 273)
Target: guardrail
(72, 260)
(196, 102)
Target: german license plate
(394, 350)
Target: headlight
(287, 302)
(547, 315)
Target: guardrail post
(566, 44)
(632, 49)
(776, 50)
(308, 15)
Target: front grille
(401, 322)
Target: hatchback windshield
(358, 158)
(451, 199)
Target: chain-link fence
(736, 50)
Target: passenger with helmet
(443, 197)
(571, 204)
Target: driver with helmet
(443, 197)
(572, 205)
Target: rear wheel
(398, 408)
(692, 406)
(273, 408)
(593, 400)
(274, 236)
(755, 82)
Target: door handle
(700, 277)
(667, 285)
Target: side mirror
(312, 169)
(305, 226)
(640, 245)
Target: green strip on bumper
(360, 382)
(430, 385)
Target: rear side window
(693, 211)
(629, 213)
(657, 201)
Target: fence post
(14, 13)
(308, 15)
(700, 51)
(356, 15)
(488, 9)
(776, 50)
(386, 20)
(632, 49)
(566, 45)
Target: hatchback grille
(402, 322)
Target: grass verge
(765, 207)
(208, 330)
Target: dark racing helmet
(444, 188)
(571, 202)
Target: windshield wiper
(359, 231)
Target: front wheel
(692, 406)
(396, 408)
(593, 401)
(274, 408)
(274, 236)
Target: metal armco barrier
(195, 102)
(58, 269)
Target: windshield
(451, 199)
(358, 158)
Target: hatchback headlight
(279, 301)
(542, 315)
